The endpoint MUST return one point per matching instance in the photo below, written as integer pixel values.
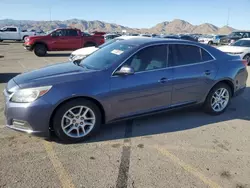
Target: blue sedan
(123, 80)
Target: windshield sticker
(117, 52)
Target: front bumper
(28, 47)
(33, 118)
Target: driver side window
(59, 33)
(150, 58)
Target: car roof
(245, 39)
(137, 41)
(125, 37)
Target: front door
(59, 40)
(148, 89)
(193, 71)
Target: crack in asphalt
(122, 178)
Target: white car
(84, 52)
(14, 33)
(206, 39)
(240, 48)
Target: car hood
(233, 49)
(85, 51)
(56, 73)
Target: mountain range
(175, 26)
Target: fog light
(18, 124)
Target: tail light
(102, 41)
(244, 62)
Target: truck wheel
(40, 50)
(89, 44)
(24, 37)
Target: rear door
(193, 71)
(148, 89)
(73, 39)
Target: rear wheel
(76, 120)
(247, 58)
(40, 50)
(218, 99)
(89, 44)
(24, 37)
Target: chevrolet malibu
(126, 79)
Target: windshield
(243, 43)
(49, 32)
(105, 56)
(235, 34)
(109, 42)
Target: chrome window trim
(165, 43)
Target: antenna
(50, 14)
(228, 16)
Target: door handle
(163, 80)
(207, 72)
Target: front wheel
(210, 43)
(40, 50)
(218, 99)
(76, 120)
(247, 58)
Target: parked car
(234, 36)
(108, 37)
(14, 33)
(145, 35)
(217, 38)
(122, 80)
(61, 40)
(206, 39)
(81, 53)
(239, 48)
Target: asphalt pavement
(180, 149)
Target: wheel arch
(89, 43)
(95, 101)
(40, 42)
(226, 81)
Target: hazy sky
(132, 13)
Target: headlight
(30, 94)
(26, 39)
(73, 57)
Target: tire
(247, 57)
(77, 121)
(24, 37)
(40, 50)
(210, 43)
(209, 100)
(89, 44)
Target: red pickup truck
(61, 40)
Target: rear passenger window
(186, 54)
(71, 33)
(206, 56)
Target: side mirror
(125, 70)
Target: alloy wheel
(78, 121)
(220, 99)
